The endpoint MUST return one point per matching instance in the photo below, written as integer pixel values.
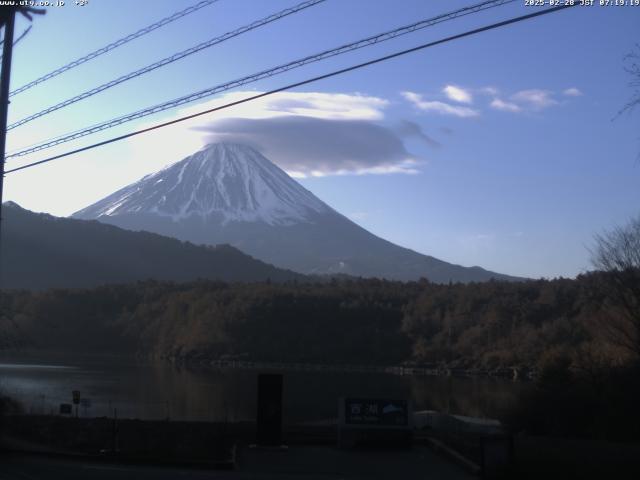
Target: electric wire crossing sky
(166, 61)
(372, 40)
(205, 93)
(114, 45)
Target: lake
(161, 390)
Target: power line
(168, 60)
(301, 83)
(258, 76)
(114, 45)
(264, 74)
(20, 37)
(62, 135)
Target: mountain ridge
(230, 193)
(42, 251)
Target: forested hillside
(480, 325)
(41, 251)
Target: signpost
(76, 399)
(376, 412)
(364, 420)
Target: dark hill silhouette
(42, 251)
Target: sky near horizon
(502, 150)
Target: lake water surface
(161, 390)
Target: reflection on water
(18, 366)
(156, 391)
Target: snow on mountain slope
(230, 193)
(231, 181)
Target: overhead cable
(298, 84)
(168, 60)
(114, 45)
(262, 75)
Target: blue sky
(509, 156)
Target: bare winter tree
(617, 253)
(632, 67)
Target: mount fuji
(230, 193)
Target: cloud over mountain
(308, 146)
(307, 133)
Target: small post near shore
(76, 399)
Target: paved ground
(419, 463)
(40, 468)
(308, 463)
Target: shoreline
(43, 358)
(505, 373)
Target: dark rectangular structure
(269, 418)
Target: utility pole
(8, 20)
(5, 77)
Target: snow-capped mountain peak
(225, 181)
(231, 194)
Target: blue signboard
(376, 412)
